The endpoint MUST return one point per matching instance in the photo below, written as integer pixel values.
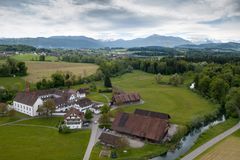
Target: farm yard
(39, 139)
(227, 149)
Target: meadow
(227, 149)
(38, 70)
(33, 57)
(32, 139)
(183, 105)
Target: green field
(183, 105)
(38, 70)
(12, 83)
(34, 141)
(32, 57)
(227, 149)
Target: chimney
(27, 87)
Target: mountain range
(73, 42)
(77, 42)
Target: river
(188, 141)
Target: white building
(74, 118)
(29, 102)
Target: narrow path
(106, 97)
(95, 133)
(210, 143)
(32, 125)
(8, 123)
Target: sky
(195, 20)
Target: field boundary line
(33, 125)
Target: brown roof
(29, 98)
(110, 139)
(74, 111)
(152, 128)
(126, 98)
(152, 114)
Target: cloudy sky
(112, 19)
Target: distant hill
(72, 42)
(218, 46)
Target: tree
(105, 109)
(203, 85)
(233, 102)
(158, 78)
(104, 121)
(22, 69)
(42, 58)
(57, 80)
(107, 81)
(3, 109)
(88, 115)
(93, 86)
(219, 89)
(176, 80)
(49, 106)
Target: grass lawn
(50, 121)
(12, 83)
(227, 149)
(182, 104)
(136, 153)
(32, 57)
(11, 119)
(28, 143)
(38, 70)
(213, 132)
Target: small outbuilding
(111, 140)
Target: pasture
(34, 140)
(227, 149)
(32, 57)
(38, 70)
(182, 104)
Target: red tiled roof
(152, 128)
(29, 98)
(74, 111)
(126, 98)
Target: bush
(64, 129)
(108, 90)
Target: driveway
(95, 133)
(210, 143)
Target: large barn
(152, 126)
(125, 98)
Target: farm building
(74, 118)
(28, 102)
(110, 140)
(125, 98)
(152, 126)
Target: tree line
(13, 68)
(221, 83)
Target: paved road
(95, 133)
(210, 143)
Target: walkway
(210, 143)
(32, 125)
(95, 133)
(9, 123)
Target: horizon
(196, 21)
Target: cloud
(190, 19)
